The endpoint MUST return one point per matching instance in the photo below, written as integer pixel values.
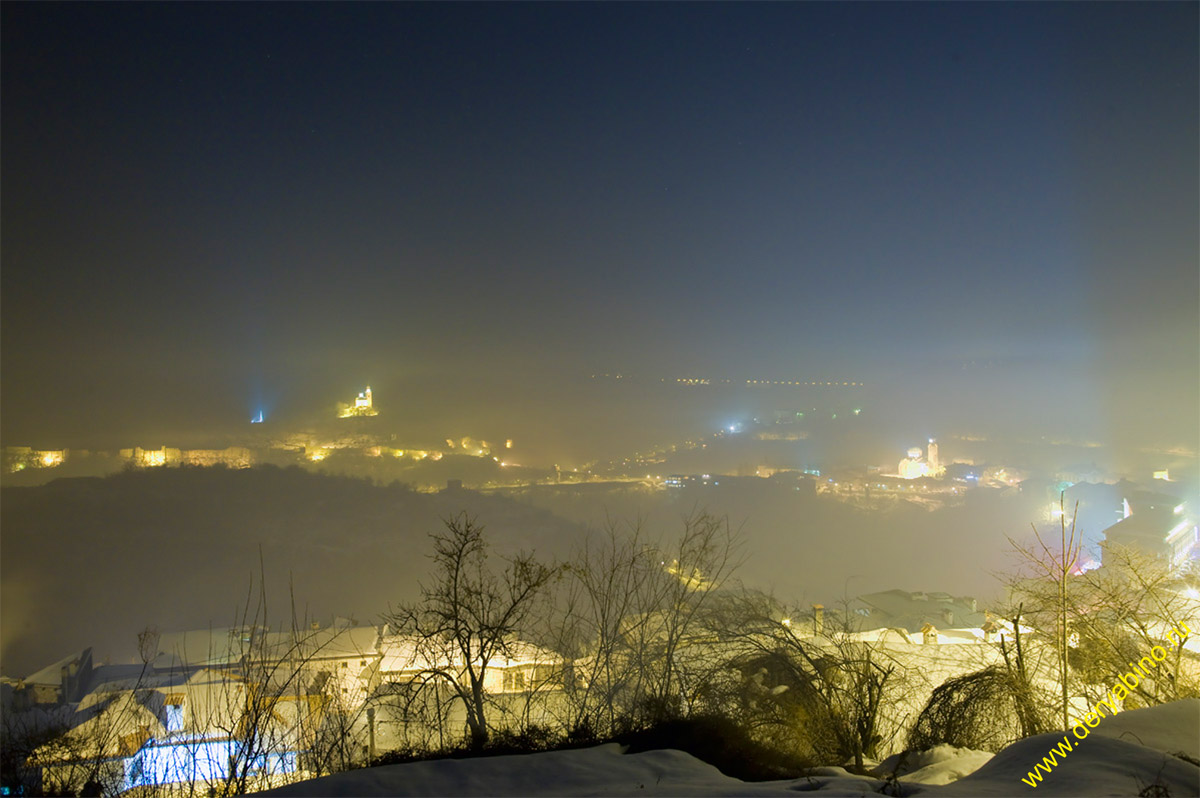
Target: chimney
(818, 619)
(948, 617)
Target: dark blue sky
(203, 199)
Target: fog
(92, 562)
(600, 231)
(1136, 409)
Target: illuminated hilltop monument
(914, 467)
(363, 406)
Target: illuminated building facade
(233, 457)
(915, 466)
(153, 458)
(1169, 533)
(19, 458)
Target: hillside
(90, 562)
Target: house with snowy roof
(130, 708)
(184, 714)
(524, 666)
(911, 611)
(58, 683)
(1158, 525)
(416, 703)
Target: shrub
(721, 743)
(978, 711)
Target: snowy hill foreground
(1126, 755)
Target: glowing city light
(363, 406)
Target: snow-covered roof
(218, 646)
(230, 646)
(1143, 527)
(911, 611)
(523, 653)
(52, 674)
(402, 653)
(109, 679)
(113, 678)
(347, 642)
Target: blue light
(199, 760)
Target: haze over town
(286, 286)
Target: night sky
(210, 206)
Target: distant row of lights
(797, 382)
(709, 381)
(706, 381)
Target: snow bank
(603, 770)
(941, 764)
(1103, 764)
(1171, 727)
(949, 770)
(1097, 766)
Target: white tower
(935, 465)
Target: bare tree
(1020, 674)
(1124, 610)
(271, 669)
(827, 691)
(30, 738)
(332, 728)
(629, 619)
(1102, 620)
(260, 705)
(1052, 568)
(701, 562)
(606, 580)
(81, 755)
(237, 723)
(981, 710)
(468, 616)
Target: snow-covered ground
(941, 764)
(1126, 754)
